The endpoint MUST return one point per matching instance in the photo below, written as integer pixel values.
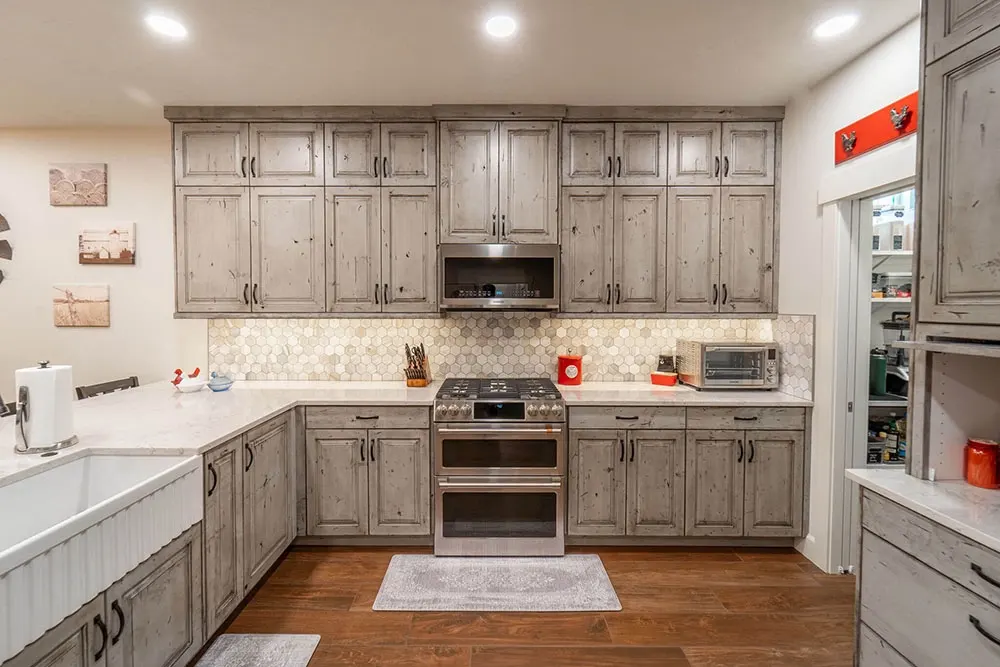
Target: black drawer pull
(631, 456)
(981, 630)
(376, 166)
(609, 166)
(363, 451)
(746, 419)
(365, 419)
(627, 419)
(117, 608)
(243, 166)
(215, 481)
(739, 459)
(371, 450)
(99, 622)
(752, 452)
(985, 577)
(249, 451)
(621, 457)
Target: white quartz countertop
(965, 509)
(645, 393)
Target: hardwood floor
(680, 608)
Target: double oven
(500, 472)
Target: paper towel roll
(49, 418)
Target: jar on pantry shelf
(981, 460)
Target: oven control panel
(499, 411)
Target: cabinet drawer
(949, 553)
(367, 417)
(786, 419)
(263, 429)
(626, 417)
(873, 651)
(928, 618)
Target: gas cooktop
(498, 400)
(474, 389)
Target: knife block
(422, 381)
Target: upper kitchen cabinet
(952, 24)
(286, 154)
(640, 250)
(388, 154)
(499, 182)
(213, 250)
(746, 250)
(409, 250)
(211, 154)
(748, 153)
(287, 255)
(597, 154)
(740, 153)
(693, 226)
(353, 250)
(959, 277)
(587, 250)
(529, 182)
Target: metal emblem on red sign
(886, 125)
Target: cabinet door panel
(587, 249)
(161, 608)
(694, 216)
(588, 153)
(641, 154)
(748, 153)
(959, 261)
(596, 482)
(409, 154)
(695, 154)
(211, 154)
(267, 528)
(952, 24)
(529, 182)
(714, 483)
(287, 250)
(774, 491)
(286, 154)
(72, 643)
(351, 152)
(399, 491)
(223, 528)
(409, 250)
(640, 250)
(470, 182)
(337, 482)
(353, 250)
(746, 253)
(213, 250)
(656, 464)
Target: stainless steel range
(499, 468)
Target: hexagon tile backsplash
(462, 344)
(794, 336)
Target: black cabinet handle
(246, 293)
(215, 480)
(725, 294)
(385, 167)
(376, 294)
(621, 443)
(985, 577)
(253, 166)
(363, 443)
(494, 224)
(243, 166)
(249, 451)
(366, 418)
(726, 170)
(619, 167)
(609, 290)
(631, 456)
(745, 419)
(609, 166)
(255, 299)
(981, 630)
(752, 452)
(375, 166)
(618, 293)
(385, 294)
(115, 607)
(716, 165)
(503, 225)
(739, 459)
(371, 450)
(715, 293)
(99, 622)
(627, 419)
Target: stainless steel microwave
(727, 365)
(499, 276)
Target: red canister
(570, 369)
(981, 459)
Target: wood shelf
(963, 348)
(888, 403)
(894, 299)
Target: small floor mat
(260, 651)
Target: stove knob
(466, 410)
(440, 410)
(543, 410)
(532, 410)
(556, 410)
(453, 410)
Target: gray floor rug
(430, 583)
(260, 651)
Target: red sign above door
(886, 125)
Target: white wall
(810, 267)
(144, 339)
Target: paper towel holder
(21, 418)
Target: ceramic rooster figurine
(179, 376)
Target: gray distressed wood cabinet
(387, 154)
(76, 642)
(600, 154)
(268, 497)
(367, 481)
(223, 533)
(499, 182)
(707, 154)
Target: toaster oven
(727, 364)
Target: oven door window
(734, 364)
(526, 514)
(497, 451)
(499, 277)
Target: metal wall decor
(877, 129)
(900, 119)
(849, 142)
(6, 252)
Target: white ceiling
(74, 62)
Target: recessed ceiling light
(837, 25)
(501, 26)
(166, 26)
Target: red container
(570, 369)
(981, 460)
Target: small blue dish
(219, 382)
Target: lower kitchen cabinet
(155, 613)
(715, 483)
(774, 486)
(626, 482)
(268, 497)
(79, 641)
(367, 482)
(223, 532)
